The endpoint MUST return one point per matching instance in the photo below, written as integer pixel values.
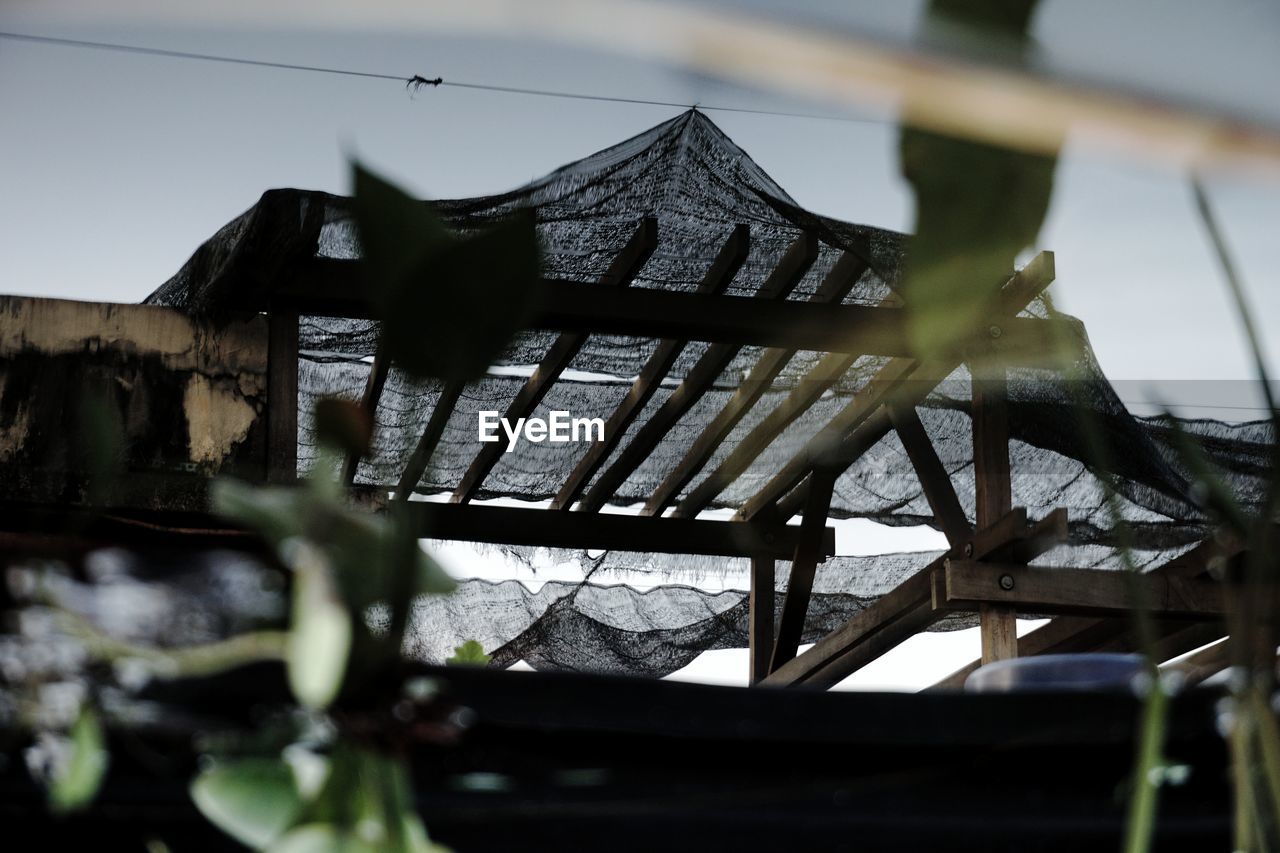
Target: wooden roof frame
(985, 570)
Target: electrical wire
(418, 81)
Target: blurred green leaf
(469, 653)
(320, 632)
(977, 205)
(77, 778)
(366, 803)
(322, 838)
(276, 513)
(448, 304)
(253, 800)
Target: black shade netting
(698, 185)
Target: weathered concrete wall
(185, 397)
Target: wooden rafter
(431, 434)
(369, 405)
(864, 420)
(838, 282)
(804, 565)
(784, 278)
(725, 266)
(822, 376)
(624, 268)
(933, 477)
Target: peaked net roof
(698, 185)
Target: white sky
(113, 168)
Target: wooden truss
(989, 570)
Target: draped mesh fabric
(698, 185)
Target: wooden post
(282, 394)
(994, 494)
(760, 616)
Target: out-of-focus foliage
(360, 800)
(448, 304)
(977, 205)
(254, 800)
(469, 653)
(80, 769)
(344, 561)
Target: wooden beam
(369, 405)
(900, 613)
(760, 615)
(421, 456)
(1203, 664)
(933, 477)
(835, 286)
(622, 270)
(1072, 634)
(844, 440)
(909, 608)
(608, 531)
(282, 393)
(725, 266)
(1047, 589)
(804, 565)
(584, 308)
(784, 278)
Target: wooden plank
(933, 477)
(608, 531)
(844, 442)
(725, 266)
(1203, 664)
(804, 565)
(1045, 589)
(622, 270)
(784, 278)
(760, 615)
(369, 405)
(892, 618)
(426, 446)
(282, 393)
(817, 381)
(835, 286)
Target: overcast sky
(114, 167)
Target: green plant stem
(189, 661)
(1146, 783)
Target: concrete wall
(93, 391)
